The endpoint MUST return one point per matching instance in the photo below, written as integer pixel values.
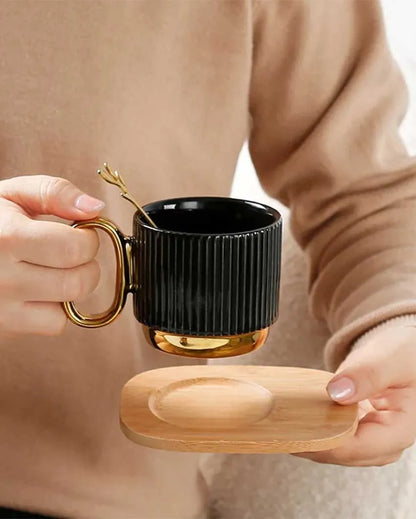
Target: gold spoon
(114, 177)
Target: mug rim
(138, 217)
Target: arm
(326, 101)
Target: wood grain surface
(247, 409)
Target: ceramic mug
(205, 282)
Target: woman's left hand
(381, 376)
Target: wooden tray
(249, 409)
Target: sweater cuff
(340, 344)
(402, 320)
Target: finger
(322, 457)
(399, 400)
(49, 244)
(383, 363)
(35, 318)
(380, 436)
(364, 408)
(42, 194)
(36, 283)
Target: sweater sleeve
(326, 100)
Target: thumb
(42, 194)
(386, 360)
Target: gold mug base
(205, 347)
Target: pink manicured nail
(88, 204)
(341, 389)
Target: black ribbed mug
(205, 281)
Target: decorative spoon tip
(115, 179)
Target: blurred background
(400, 19)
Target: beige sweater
(167, 91)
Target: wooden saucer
(249, 409)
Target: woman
(165, 92)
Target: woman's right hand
(43, 263)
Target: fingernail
(341, 389)
(88, 204)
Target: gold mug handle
(122, 248)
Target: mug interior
(209, 215)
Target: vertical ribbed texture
(207, 284)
